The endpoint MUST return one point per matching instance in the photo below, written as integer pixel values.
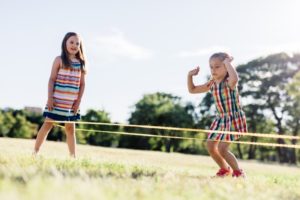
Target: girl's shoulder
(211, 84)
(226, 84)
(58, 58)
(58, 61)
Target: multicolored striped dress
(230, 116)
(66, 90)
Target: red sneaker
(238, 174)
(223, 172)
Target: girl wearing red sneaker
(230, 117)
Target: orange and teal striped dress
(230, 116)
(66, 90)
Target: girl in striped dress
(65, 89)
(230, 117)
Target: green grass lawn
(108, 173)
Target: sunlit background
(135, 47)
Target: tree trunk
(252, 149)
(293, 151)
(240, 151)
(281, 151)
(168, 145)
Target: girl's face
(217, 69)
(73, 45)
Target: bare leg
(42, 134)
(228, 156)
(71, 139)
(212, 147)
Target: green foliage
(293, 108)
(96, 138)
(13, 123)
(7, 122)
(22, 128)
(263, 84)
(160, 109)
(293, 87)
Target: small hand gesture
(194, 72)
(50, 104)
(228, 59)
(76, 106)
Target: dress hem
(61, 118)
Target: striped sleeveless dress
(230, 116)
(66, 90)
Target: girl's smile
(73, 44)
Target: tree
(7, 122)
(294, 112)
(263, 84)
(160, 109)
(93, 137)
(257, 123)
(22, 128)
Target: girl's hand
(194, 72)
(76, 106)
(50, 104)
(228, 60)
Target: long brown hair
(79, 55)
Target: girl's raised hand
(194, 71)
(228, 59)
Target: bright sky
(135, 47)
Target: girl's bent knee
(212, 147)
(211, 144)
(224, 150)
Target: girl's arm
(54, 71)
(233, 75)
(81, 91)
(196, 88)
